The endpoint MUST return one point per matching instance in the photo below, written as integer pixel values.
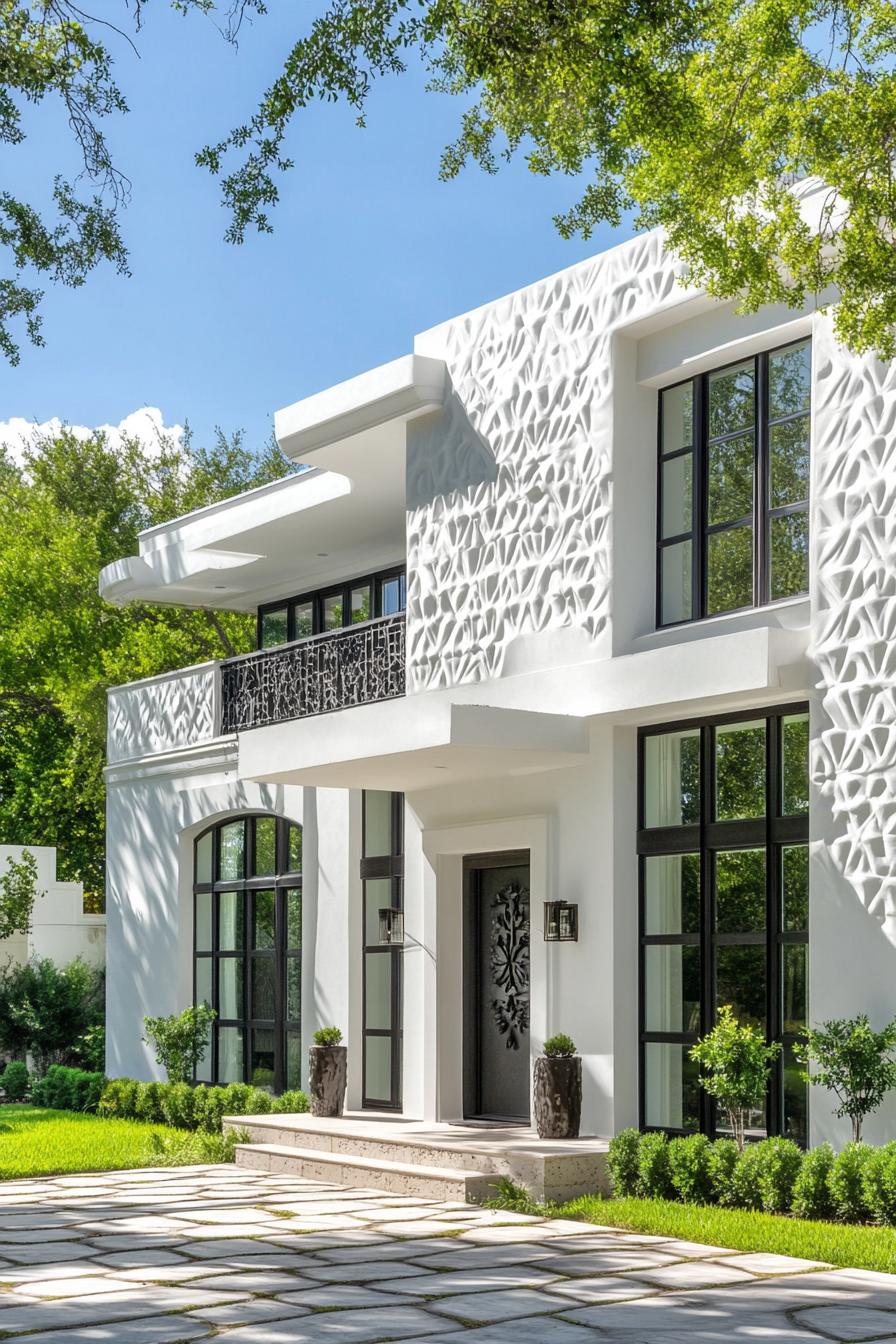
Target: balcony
(359, 665)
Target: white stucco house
(573, 710)
(61, 929)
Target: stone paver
(176, 1254)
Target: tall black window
(382, 873)
(333, 608)
(733, 490)
(247, 942)
(723, 835)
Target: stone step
(403, 1148)
(372, 1173)
(549, 1170)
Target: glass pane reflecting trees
(248, 949)
(724, 904)
(733, 487)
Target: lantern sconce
(561, 922)
(391, 927)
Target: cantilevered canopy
(342, 515)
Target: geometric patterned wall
(854, 614)
(176, 710)
(509, 488)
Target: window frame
(282, 882)
(376, 868)
(762, 513)
(317, 597)
(773, 832)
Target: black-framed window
(332, 608)
(723, 836)
(382, 874)
(247, 945)
(733, 487)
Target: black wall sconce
(391, 927)
(561, 922)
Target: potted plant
(327, 1072)
(558, 1089)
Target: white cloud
(146, 424)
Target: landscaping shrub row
(188, 1107)
(857, 1185)
(176, 1104)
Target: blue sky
(369, 246)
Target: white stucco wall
(60, 929)
(153, 816)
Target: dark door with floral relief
(496, 987)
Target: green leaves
(735, 1063)
(18, 892)
(855, 1062)
(709, 118)
(180, 1040)
(74, 506)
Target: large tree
(71, 507)
(696, 115)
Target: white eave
(398, 391)
(344, 516)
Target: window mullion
(707, 907)
(699, 505)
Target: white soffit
(321, 424)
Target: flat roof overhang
(410, 744)
(342, 516)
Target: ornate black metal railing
(355, 666)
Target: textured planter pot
(558, 1097)
(326, 1079)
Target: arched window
(247, 943)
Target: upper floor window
(733, 487)
(331, 608)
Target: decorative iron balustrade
(355, 666)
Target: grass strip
(843, 1245)
(35, 1141)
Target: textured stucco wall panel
(510, 488)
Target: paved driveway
(190, 1253)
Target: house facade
(572, 710)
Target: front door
(496, 987)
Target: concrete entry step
(396, 1178)
(548, 1169)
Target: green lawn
(38, 1142)
(838, 1244)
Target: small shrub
(15, 1079)
(622, 1163)
(811, 1189)
(560, 1046)
(723, 1159)
(879, 1178)
(177, 1105)
(119, 1098)
(180, 1040)
(848, 1184)
(854, 1062)
(65, 1089)
(689, 1168)
(148, 1103)
(779, 1165)
(90, 1048)
(735, 1063)
(653, 1167)
(328, 1036)
(292, 1102)
(744, 1189)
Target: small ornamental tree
(735, 1063)
(18, 892)
(852, 1061)
(180, 1040)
